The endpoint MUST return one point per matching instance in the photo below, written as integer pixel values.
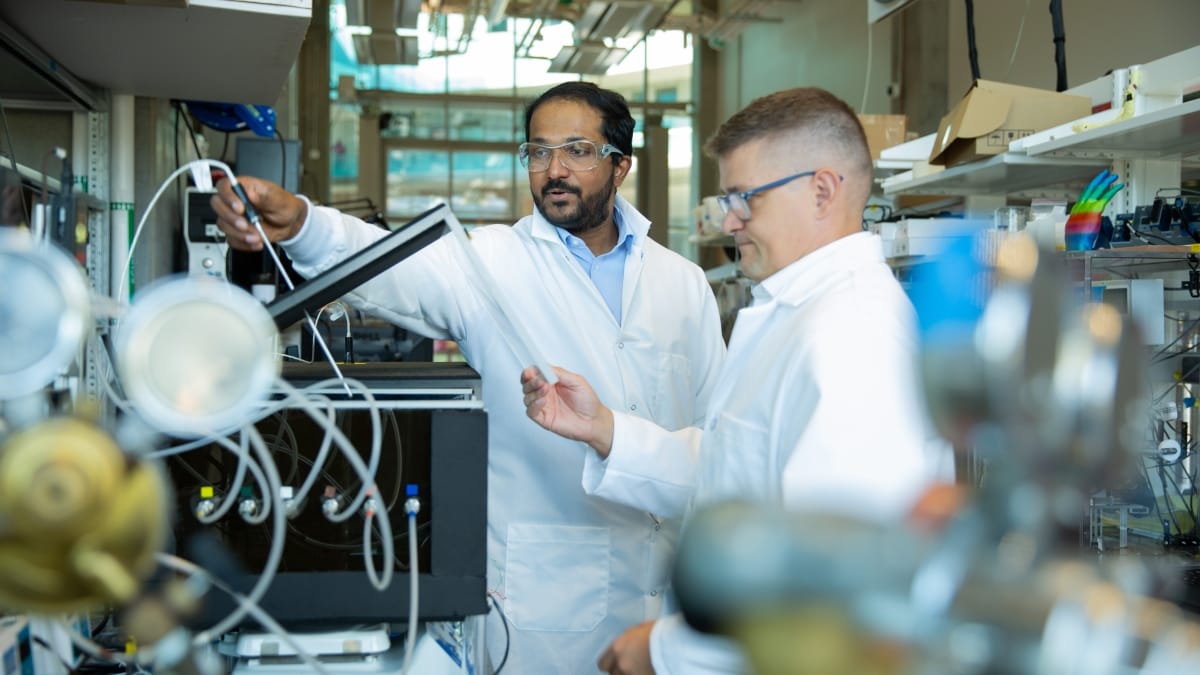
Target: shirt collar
(794, 283)
(636, 225)
(623, 234)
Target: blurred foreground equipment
(1048, 390)
(80, 522)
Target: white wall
(1101, 35)
(820, 43)
(824, 43)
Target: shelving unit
(239, 51)
(1144, 259)
(1150, 150)
(1170, 133)
(1007, 173)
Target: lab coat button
(653, 594)
(633, 406)
(620, 345)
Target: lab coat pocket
(739, 462)
(674, 402)
(556, 576)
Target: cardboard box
(883, 131)
(993, 114)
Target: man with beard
(818, 406)
(570, 571)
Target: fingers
(608, 660)
(537, 396)
(231, 219)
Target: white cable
(260, 615)
(291, 287)
(137, 233)
(320, 459)
(366, 473)
(274, 555)
(266, 411)
(243, 454)
(332, 317)
(273, 498)
(389, 553)
(1020, 29)
(196, 164)
(414, 588)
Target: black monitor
(360, 267)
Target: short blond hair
(803, 112)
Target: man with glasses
(570, 571)
(817, 405)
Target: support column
(121, 193)
(371, 171)
(314, 107)
(654, 179)
(924, 73)
(706, 104)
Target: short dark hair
(617, 123)
(809, 110)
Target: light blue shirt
(607, 271)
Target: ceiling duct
(383, 15)
(387, 49)
(619, 19)
(587, 58)
(878, 9)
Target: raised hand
(570, 408)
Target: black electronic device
(1166, 220)
(274, 159)
(359, 268)
(434, 437)
(205, 242)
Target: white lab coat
(573, 570)
(818, 406)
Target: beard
(593, 209)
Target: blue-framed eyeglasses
(739, 202)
